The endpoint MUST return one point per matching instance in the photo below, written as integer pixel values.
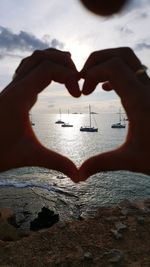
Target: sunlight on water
(75, 144)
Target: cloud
(125, 30)
(135, 5)
(23, 41)
(142, 45)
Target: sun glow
(79, 53)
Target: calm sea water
(100, 189)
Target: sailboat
(89, 128)
(119, 125)
(59, 121)
(67, 124)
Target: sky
(28, 25)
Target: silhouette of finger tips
(41, 76)
(52, 55)
(90, 83)
(107, 86)
(125, 54)
(73, 86)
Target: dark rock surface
(46, 218)
(87, 243)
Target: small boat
(59, 121)
(89, 128)
(119, 125)
(67, 124)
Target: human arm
(19, 145)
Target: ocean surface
(100, 189)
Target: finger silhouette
(19, 145)
(53, 58)
(117, 69)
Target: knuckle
(126, 51)
(37, 54)
(21, 64)
(67, 53)
(94, 55)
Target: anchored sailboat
(119, 125)
(67, 124)
(89, 128)
(59, 121)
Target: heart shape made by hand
(115, 68)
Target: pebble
(88, 256)
(62, 225)
(140, 219)
(115, 255)
(120, 226)
(111, 218)
(124, 211)
(116, 234)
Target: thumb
(108, 161)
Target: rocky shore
(118, 236)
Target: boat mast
(68, 115)
(120, 115)
(90, 114)
(60, 113)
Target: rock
(88, 255)
(111, 218)
(140, 219)
(116, 234)
(8, 232)
(46, 218)
(124, 211)
(62, 225)
(115, 255)
(7, 215)
(120, 226)
(125, 204)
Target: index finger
(53, 55)
(124, 53)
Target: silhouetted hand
(117, 69)
(18, 144)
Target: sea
(84, 198)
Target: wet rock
(46, 218)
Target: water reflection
(75, 144)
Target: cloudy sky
(28, 25)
